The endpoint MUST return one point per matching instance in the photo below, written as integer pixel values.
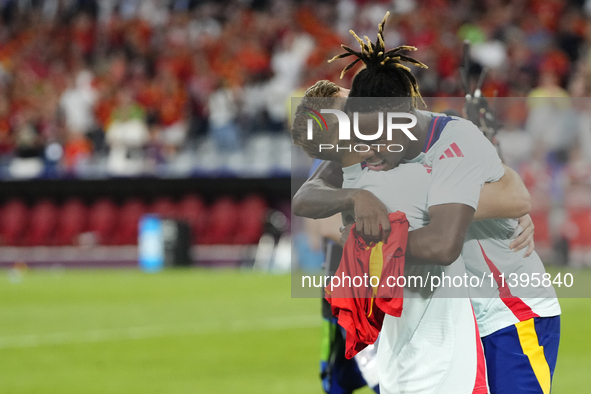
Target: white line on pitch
(147, 332)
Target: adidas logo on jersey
(452, 151)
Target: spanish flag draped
(366, 288)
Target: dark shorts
(520, 359)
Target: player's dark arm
(441, 241)
(506, 199)
(321, 196)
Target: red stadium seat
(221, 226)
(102, 220)
(252, 214)
(129, 217)
(43, 221)
(192, 210)
(14, 221)
(72, 220)
(164, 207)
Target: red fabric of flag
(361, 302)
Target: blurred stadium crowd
(190, 88)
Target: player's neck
(420, 132)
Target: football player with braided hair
(461, 161)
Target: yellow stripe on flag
(376, 264)
(532, 349)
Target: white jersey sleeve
(462, 160)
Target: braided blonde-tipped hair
(376, 57)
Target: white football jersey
(462, 160)
(433, 347)
(514, 288)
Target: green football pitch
(188, 331)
